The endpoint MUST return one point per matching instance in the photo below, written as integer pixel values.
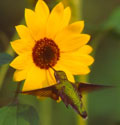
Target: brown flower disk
(45, 53)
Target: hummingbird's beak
(52, 68)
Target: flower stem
(46, 112)
(80, 120)
(76, 6)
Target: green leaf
(113, 21)
(18, 115)
(27, 99)
(22, 122)
(5, 58)
(8, 115)
(29, 114)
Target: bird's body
(70, 93)
(70, 96)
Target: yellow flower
(49, 40)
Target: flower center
(45, 53)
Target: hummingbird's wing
(85, 87)
(50, 91)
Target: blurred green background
(102, 22)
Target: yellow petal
(54, 20)
(50, 77)
(35, 25)
(42, 10)
(35, 79)
(21, 61)
(24, 32)
(86, 49)
(20, 75)
(76, 68)
(77, 57)
(72, 42)
(22, 46)
(66, 18)
(74, 28)
(61, 67)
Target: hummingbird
(70, 93)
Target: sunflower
(49, 40)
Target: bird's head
(59, 75)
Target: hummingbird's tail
(84, 115)
(80, 110)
